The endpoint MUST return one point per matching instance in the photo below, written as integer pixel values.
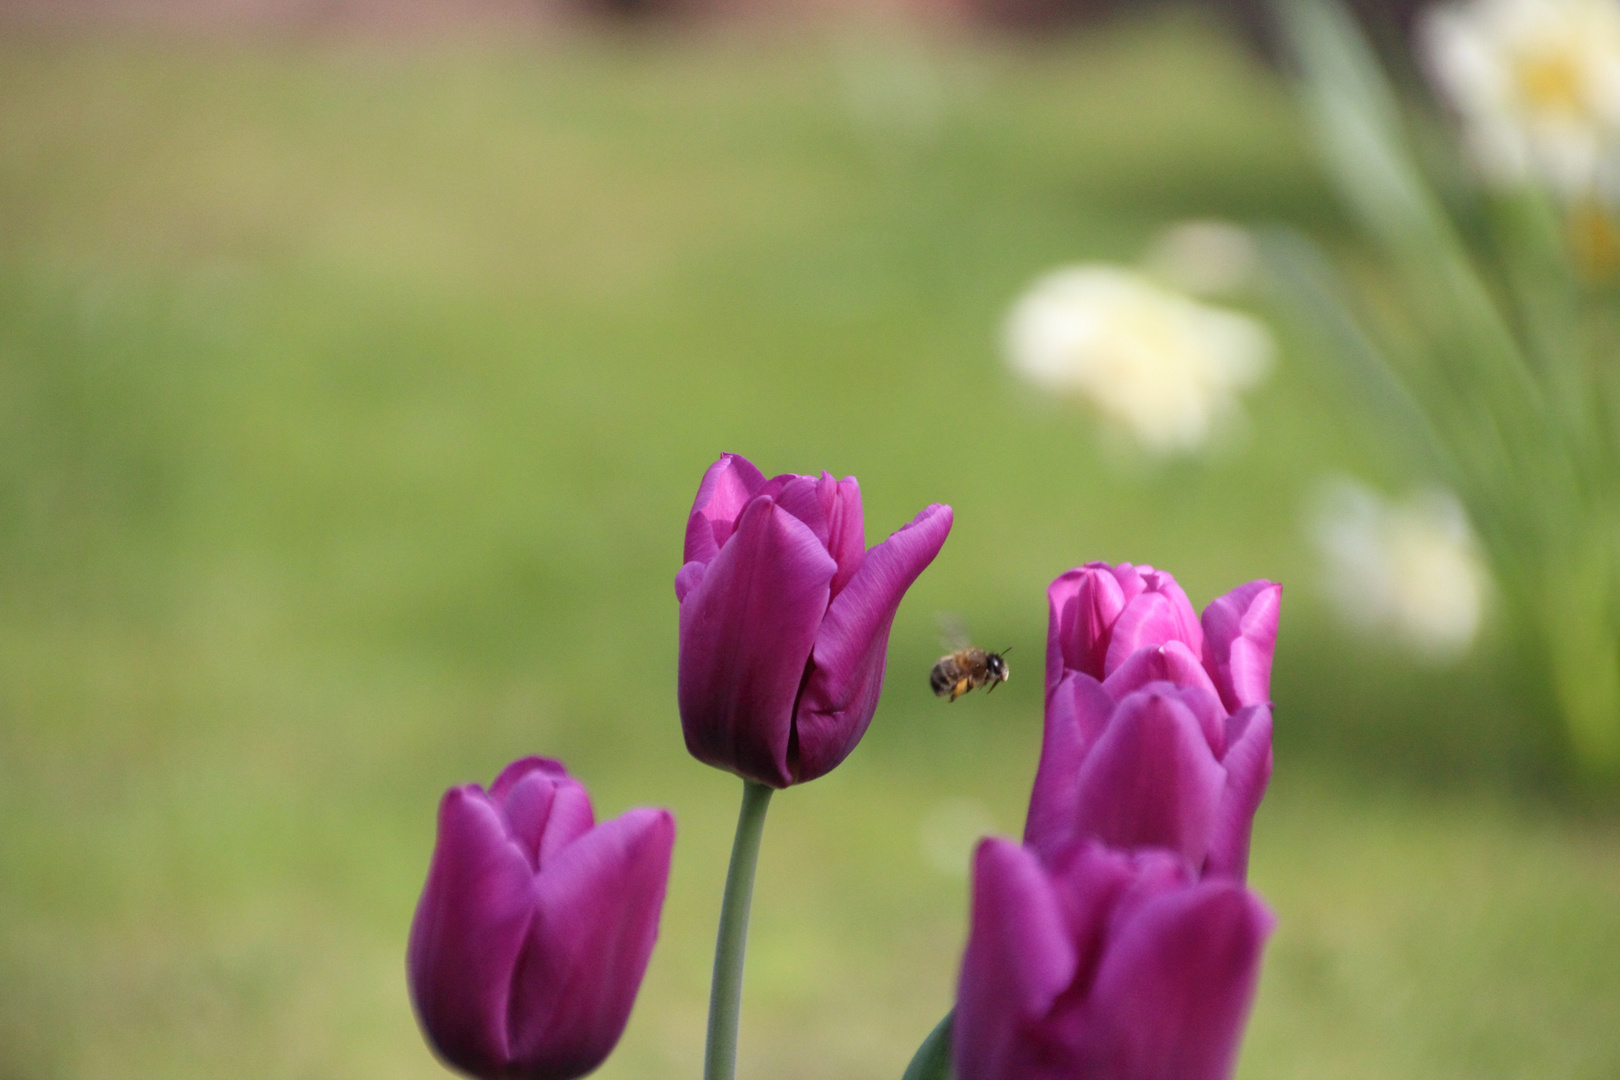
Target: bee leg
(959, 689)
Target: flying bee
(966, 666)
(958, 672)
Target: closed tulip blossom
(1158, 722)
(535, 925)
(785, 619)
(1104, 965)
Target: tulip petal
(1240, 635)
(1132, 582)
(1150, 779)
(1200, 698)
(832, 510)
(596, 919)
(1089, 880)
(688, 578)
(798, 495)
(746, 635)
(1165, 584)
(521, 768)
(846, 530)
(525, 809)
(727, 487)
(852, 646)
(473, 915)
(1082, 605)
(1153, 618)
(1059, 616)
(1019, 958)
(1175, 986)
(1248, 769)
(1171, 662)
(544, 808)
(1075, 717)
(571, 817)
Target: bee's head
(997, 666)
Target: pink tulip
(1101, 615)
(535, 925)
(785, 619)
(1158, 724)
(1099, 965)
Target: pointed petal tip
(726, 488)
(653, 822)
(1151, 779)
(524, 766)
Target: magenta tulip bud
(1163, 767)
(535, 926)
(785, 619)
(1100, 615)
(1104, 965)
(1158, 724)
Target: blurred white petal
(1537, 85)
(1162, 366)
(1412, 568)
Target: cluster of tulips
(1118, 941)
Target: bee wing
(953, 633)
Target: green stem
(725, 993)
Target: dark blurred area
(1250, 18)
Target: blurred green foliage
(1493, 365)
(351, 402)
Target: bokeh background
(356, 375)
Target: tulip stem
(725, 992)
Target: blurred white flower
(950, 832)
(1537, 83)
(1413, 568)
(1204, 258)
(1159, 364)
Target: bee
(966, 666)
(958, 672)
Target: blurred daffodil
(1159, 364)
(1537, 84)
(1412, 568)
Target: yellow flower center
(1594, 240)
(1550, 81)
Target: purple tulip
(1101, 965)
(1163, 767)
(785, 619)
(1101, 615)
(535, 926)
(1158, 725)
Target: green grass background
(352, 398)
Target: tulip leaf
(1303, 276)
(933, 1057)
